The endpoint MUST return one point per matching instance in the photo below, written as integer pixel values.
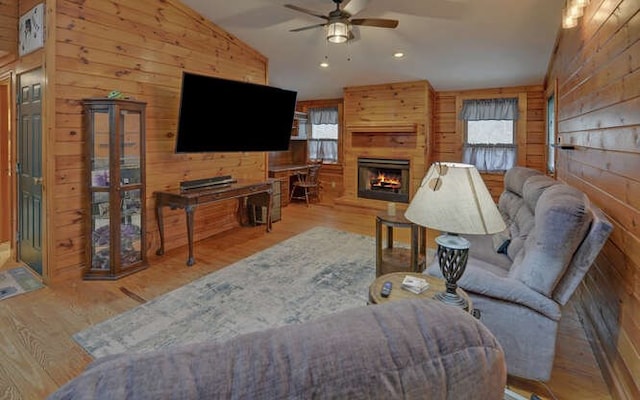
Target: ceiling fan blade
(304, 10)
(355, 6)
(376, 22)
(304, 28)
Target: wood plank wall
(141, 49)
(449, 131)
(8, 30)
(597, 70)
(371, 115)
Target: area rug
(16, 281)
(315, 273)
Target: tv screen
(221, 115)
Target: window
(551, 135)
(490, 133)
(323, 143)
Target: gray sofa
(419, 349)
(520, 279)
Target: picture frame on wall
(31, 30)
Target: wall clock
(31, 30)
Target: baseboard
(618, 387)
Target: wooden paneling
(597, 68)
(530, 130)
(386, 121)
(139, 48)
(8, 30)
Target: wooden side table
(394, 259)
(436, 285)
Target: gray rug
(318, 272)
(16, 281)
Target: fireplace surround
(383, 179)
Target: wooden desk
(284, 173)
(189, 200)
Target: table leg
(269, 205)
(378, 247)
(160, 221)
(189, 210)
(414, 247)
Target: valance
(489, 109)
(326, 115)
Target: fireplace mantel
(387, 121)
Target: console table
(189, 200)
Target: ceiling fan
(339, 21)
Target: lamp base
(452, 300)
(453, 251)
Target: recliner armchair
(554, 236)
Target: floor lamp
(453, 199)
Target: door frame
(7, 154)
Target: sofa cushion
(534, 187)
(418, 349)
(519, 228)
(561, 221)
(515, 178)
(481, 247)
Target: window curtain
(322, 149)
(492, 109)
(490, 157)
(320, 116)
(325, 150)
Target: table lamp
(453, 199)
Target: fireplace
(383, 179)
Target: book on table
(414, 284)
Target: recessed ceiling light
(398, 54)
(324, 64)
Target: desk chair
(307, 184)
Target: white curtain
(490, 157)
(323, 149)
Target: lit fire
(384, 181)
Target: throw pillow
(501, 241)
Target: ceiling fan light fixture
(338, 32)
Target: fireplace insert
(383, 179)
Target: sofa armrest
(481, 278)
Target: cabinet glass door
(100, 151)
(130, 147)
(130, 227)
(100, 223)
(101, 228)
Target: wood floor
(38, 354)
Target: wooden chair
(307, 184)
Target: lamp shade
(338, 32)
(453, 198)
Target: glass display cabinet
(114, 131)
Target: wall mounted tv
(221, 115)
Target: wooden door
(29, 169)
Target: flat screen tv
(221, 115)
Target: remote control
(386, 289)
